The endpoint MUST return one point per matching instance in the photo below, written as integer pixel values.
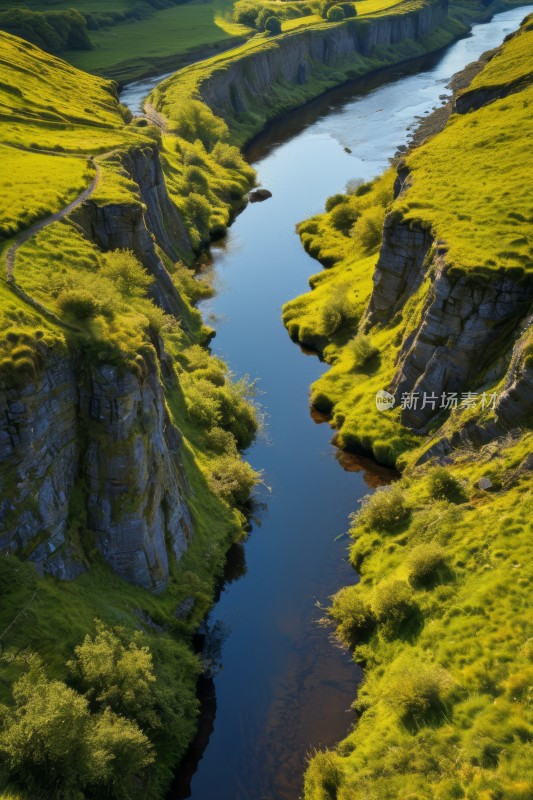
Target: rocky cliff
(89, 445)
(93, 445)
(141, 225)
(295, 59)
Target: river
(283, 689)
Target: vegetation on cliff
(73, 299)
(439, 617)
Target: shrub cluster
(90, 735)
(53, 31)
(362, 350)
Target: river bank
(265, 714)
(431, 550)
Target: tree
(43, 738)
(273, 25)
(115, 675)
(335, 14)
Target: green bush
(424, 563)
(116, 675)
(417, 690)
(333, 201)
(349, 9)
(442, 485)
(343, 216)
(232, 479)
(126, 273)
(354, 617)
(273, 25)
(362, 350)
(324, 776)
(385, 510)
(335, 14)
(393, 603)
(80, 303)
(368, 228)
(53, 744)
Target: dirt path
(23, 237)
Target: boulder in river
(258, 195)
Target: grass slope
(440, 619)
(49, 105)
(130, 41)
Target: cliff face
(236, 86)
(467, 320)
(104, 432)
(140, 226)
(90, 445)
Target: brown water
(282, 689)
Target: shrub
(442, 485)
(273, 25)
(245, 14)
(333, 201)
(349, 9)
(393, 603)
(424, 563)
(126, 273)
(232, 479)
(362, 350)
(335, 14)
(330, 318)
(80, 303)
(368, 228)
(323, 777)
(353, 615)
(384, 511)
(417, 690)
(115, 675)
(343, 216)
(53, 746)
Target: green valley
(135, 452)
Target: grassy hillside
(464, 183)
(53, 120)
(127, 40)
(440, 617)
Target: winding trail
(22, 237)
(25, 235)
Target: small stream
(282, 689)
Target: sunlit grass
(36, 185)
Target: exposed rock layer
(105, 433)
(237, 85)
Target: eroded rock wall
(237, 85)
(92, 446)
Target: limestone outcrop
(93, 447)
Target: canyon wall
(87, 445)
(238, 86)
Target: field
(168, 39)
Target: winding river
(281, 688)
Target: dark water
(283, 690)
